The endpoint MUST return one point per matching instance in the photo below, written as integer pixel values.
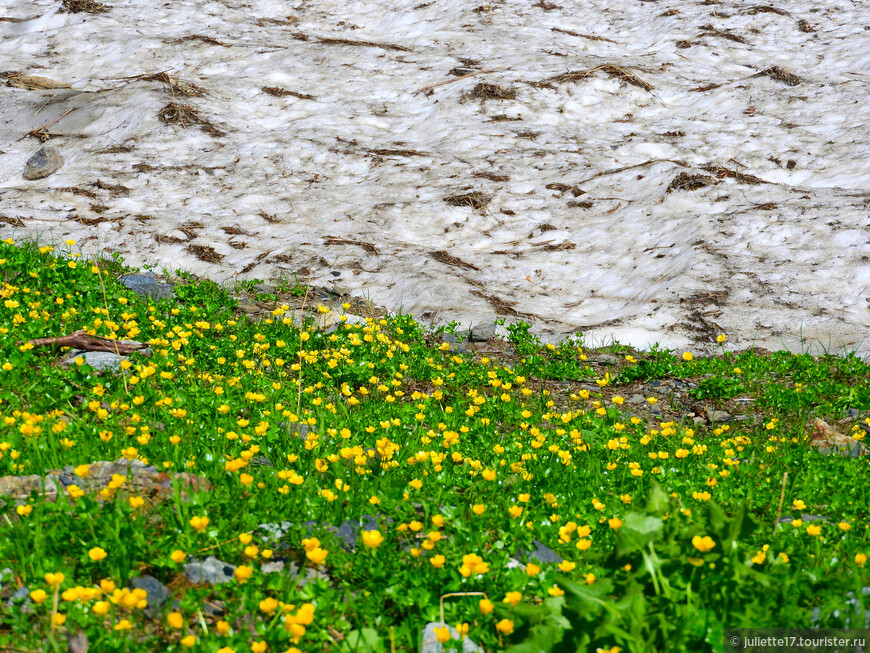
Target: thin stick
(456, 79)
(781, 497)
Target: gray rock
(456, 345)
(720, 416)
(273, 566)
(147, 285)
(20, 598)
(541, 553)
(604, 359)
(482, 332)
(296, 429)
(100, 360)
(430, 644)
(211, 571)
(45, 162)
(77, 643)
(636, 400)
(158, 593)
(276, 532)
(311, 575)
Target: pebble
(211, 571)
(456, 345)
(103, 361)
(158, 593)
(720, 416)
(45, 162)
(541, 553)
(20, 598)
(147, 285)
(482, 332)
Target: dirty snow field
(650, 171)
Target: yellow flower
(721, 338)
(590, 578)
(96, 554)
(443, 634)
(252, 550)
(814, 530)
(243, 573)
(268, 605)
(567, 565)
(24, 510)
(246, 479)
(703, 544)
(58, 619)
(532, 569)
(136, 502)
(512, 598)
(175, 620)
(505, 626)
(259, 647)
(759, 558)
(188, 642)
(372, 539)
(797, 504)
(860, 559)
(178, 556)
(486, 606)
(38, 596)
(437, 561)
(101, 607)
(844, 526)
(223, 628)
(555, 591)
(614, 523)
(317, 555)
(124, 624)
(687, 356)
(199, 523)
(54, 579)
(478, 508)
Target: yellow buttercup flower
(703, 544)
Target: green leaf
(636, 532)
(363, 641)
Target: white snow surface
(349, 173)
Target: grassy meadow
(661, 526)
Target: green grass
(666, 523)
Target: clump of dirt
(779, 74)
(186, 115)
(487, 91)
(686, 181)
(83, 6)
(475, 199)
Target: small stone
(211, 571)
(636, 400)
(45, 162)
(605, 359)
(21, 598)
(456, 345)
(158, 593)
(273, 566)
(542, 553)
(720, 416)
(276, 532)
(99, 360)
(482, 332)
(430, 643)
(146, 285)
(77, 643)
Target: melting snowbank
(553, 199)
